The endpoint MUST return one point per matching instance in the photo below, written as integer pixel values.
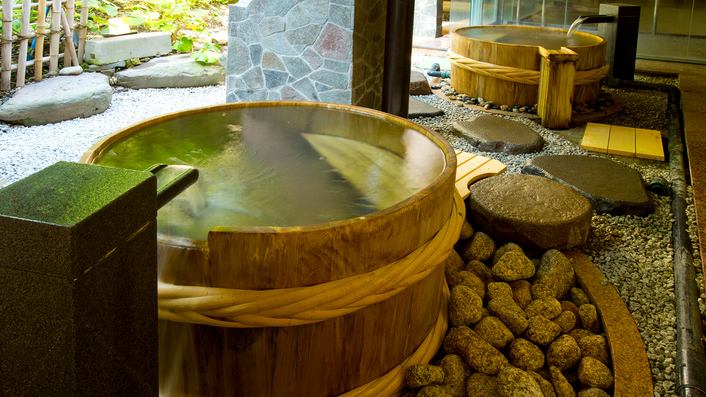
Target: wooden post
(22, 54)
(6, 44)
(82, 30)
(39, 45)
(556, 87)
(55, 32)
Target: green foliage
(172, 16)
(184, 44)
(208, 55)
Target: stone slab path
(611, 187)
(496, 134)
(172, 71)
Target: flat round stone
(499, 135)
(535, 212)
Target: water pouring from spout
(590, 19)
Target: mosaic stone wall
(312, 50)
(428, 15)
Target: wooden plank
(622, 141)
(472, 168)
(596, 137)
(648, 144)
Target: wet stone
(525, 355)
(611, 187)
(493, 331)
(479, 247)
(514, 382)
(423, 374)
(563, 353)
(534, 212)
(496, 134)
(595, 374)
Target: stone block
(172, 71)
(107, 50)
(78, 272)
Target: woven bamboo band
(393, 383)
(518, 75)
(237, 308)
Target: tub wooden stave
(322, 359)
(518, 56)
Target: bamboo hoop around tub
(519, 75)
(238, 308)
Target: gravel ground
(634, 253)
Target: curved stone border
(576, 120)
(633, 377)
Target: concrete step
(105, 50)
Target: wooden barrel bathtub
(485, 48)
(252, 356)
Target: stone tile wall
(311, 50)
(428, 15)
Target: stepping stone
(418, 108)
(535, 212)
(105, 50)
(172, 71)
(419, 85)
(58, 99)
(611, 187)
(499, 135)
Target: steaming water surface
(281, 166)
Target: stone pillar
(78, 275)
(310, 50)
(428, 15)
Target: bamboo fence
(60, 21)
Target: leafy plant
(208, 55)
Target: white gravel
(634, 253)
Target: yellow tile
(595, 138)
(648, 144)
(622, 141)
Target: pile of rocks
(519, 327)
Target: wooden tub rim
(600, 42)
(448, 172)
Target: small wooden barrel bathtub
(339, 307)
(501, 63)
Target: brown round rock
(595, 346)
(595, 374)
(589, 318)
(545, 385)
(465, 306)
(593, 392)
(456, 373)
(477, 353)
(493, 331)
(522, 294)
(549, 307)
(534, 212)
(480, 247)
(562, 387)
(507, 310)
(570, 306)
(434, 391)
(563, 353)
(497, 289)
(541, 330)
(469, 280)
(482, 385)
(580, 333)
(566, 321)
(514, 382)
(447, 346)
(423, 374)
(454, 263)
(466, 230)
(579, 297)
(554, 276)
(480, 269)
(525, 355)
(513, 266)
(509, 247)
